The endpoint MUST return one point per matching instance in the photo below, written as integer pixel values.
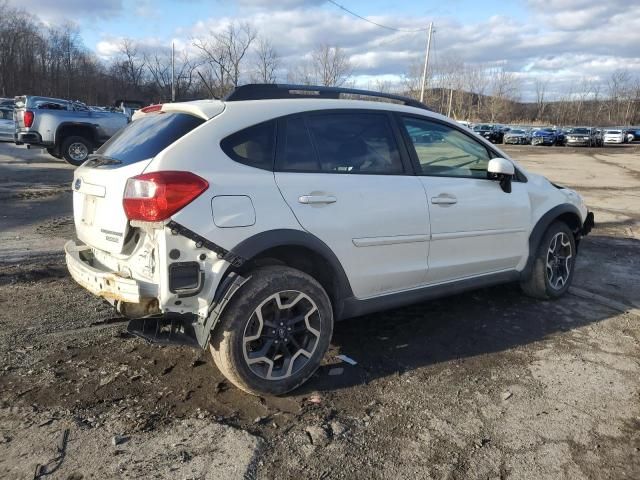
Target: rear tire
(75, 150)
(274, 333)
(553, 264)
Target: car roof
(279, 107)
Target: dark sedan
(545, 136)
(493, 133)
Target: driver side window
(444, 151)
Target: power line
(375, 23)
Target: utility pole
(450, 99)
(426, 62)
(173, 71)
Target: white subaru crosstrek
(249, 225)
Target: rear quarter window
(253, 146)
(147, 137)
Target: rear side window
(298, 154)
(253, 146)
(148, 136)
(356, 143)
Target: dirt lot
(485, 385)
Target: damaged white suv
(249, 225)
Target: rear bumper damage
(183, 302)
(108, 285)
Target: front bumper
(111, 286)
(542, 141)
(516, 140)
(570, 141)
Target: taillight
(156, 196)
(28, 118)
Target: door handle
(444, 199)
(317, 199)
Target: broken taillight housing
(155, 196)
(28, 118)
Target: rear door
(347, 182)
(476, 228)
(98, 185)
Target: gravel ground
(489, 384)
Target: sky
(563, 42)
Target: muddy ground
(486, 385)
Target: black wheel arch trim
(541, 227)
(59, 138)
(261, 242)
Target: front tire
(552, 271)
(75, 150)
(275, 331)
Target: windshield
(482, 127)
(580, 131)
(615, 132)
(147, 137)
(517, 132)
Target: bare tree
(541, 102)
(504, 91)
(267, 62)
(132, 62)
(159, 66)
(301, 73)
(331, 65)
(224, 52)
(617, 86)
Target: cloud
(567, 42)
(563, 41)
(70, 10)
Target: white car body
(392, 235)
(614, 136)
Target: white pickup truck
(69, 130)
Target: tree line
(51, 60)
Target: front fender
(541, 227)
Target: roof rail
(270, 91)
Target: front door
(476, 228)
(343, 177)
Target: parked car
(636, 134)
(250, 225)
(544, 136)
(516, 136)
(493, 133)
(582, 136)
(68, 130)
(614, 136)
(7, 127)
(629, 135)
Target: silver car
(7, 126)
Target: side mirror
(502, 170)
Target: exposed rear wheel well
(303, 259)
